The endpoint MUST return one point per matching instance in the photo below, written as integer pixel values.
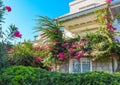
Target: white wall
(68, 34)
(80, 5)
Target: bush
(22, 55)
(26, 54)
(20, 75)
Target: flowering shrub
(61, 50)
(28, 55)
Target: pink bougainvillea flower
(43, 47)
(71, 49)
(50, 48)
(109, 1)
(110, 27)
(77, 54)
(8, 8)
(54, 43)
(114, 29)
(61, 56)
(49, 68)
(81, 53)
(104, 17)
(17, 34)
(65, 44)
(112, 55)
(59, 30)
(10, 50)
(38, 59)
(73, 46)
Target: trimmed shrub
(20, 75)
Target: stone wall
(64, 68)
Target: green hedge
(20, 75)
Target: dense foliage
(19, 75)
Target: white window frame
(82, 59)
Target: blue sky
(24, 11)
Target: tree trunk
(113, 65)
(118, 67)
(55, 65)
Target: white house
(80, 19)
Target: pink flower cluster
(10, 50)
(54, 43)
(49, 68)
(17, 34)
(110, 27)
(112, 55)
(50, 48)
(104, 17)
(65, 44)
(42, 48)
(8, 8)
(38, 59)
(59, 30)
(109, 1)
(78, 55)
(71, 49)
(61, 56)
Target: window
(118, 20)
(84, 65)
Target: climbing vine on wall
(101, 44)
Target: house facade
(78, 21)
